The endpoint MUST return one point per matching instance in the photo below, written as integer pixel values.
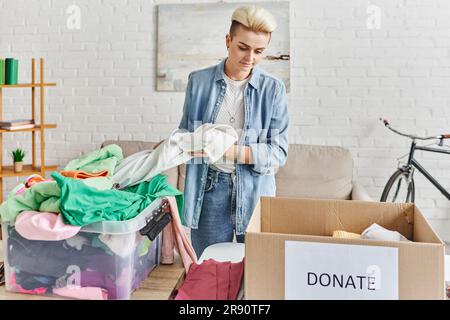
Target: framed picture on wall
(192, 37)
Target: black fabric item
(28, 282)
(52, 258)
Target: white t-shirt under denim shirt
(231, 112)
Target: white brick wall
(344, 76)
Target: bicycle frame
(414, 163)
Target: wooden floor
(160, 284)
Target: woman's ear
(227, 40)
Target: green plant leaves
(18, 155)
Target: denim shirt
(265, 131)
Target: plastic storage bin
(105, 260)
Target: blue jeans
(218, 216)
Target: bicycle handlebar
(414, 137)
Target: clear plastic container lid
(126, 226)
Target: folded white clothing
(213, 139)
(121, 244)
(377, 232)
(77, 242)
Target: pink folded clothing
(174, 237)
(33, 225)
(85, 293)
(168, 245)
(212, 280)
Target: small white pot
(18, 166)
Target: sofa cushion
(313, 171)
(131, 147)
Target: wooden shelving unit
(27, 85)
(28, 169)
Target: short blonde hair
(255, 18)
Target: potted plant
(18, 156)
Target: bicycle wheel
(398, 188)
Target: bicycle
(400, 186)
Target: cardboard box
(277, 220)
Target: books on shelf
(17, 124)
(12, 128)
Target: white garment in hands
(212, 139)
(377, 232)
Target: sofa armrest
(359, 192)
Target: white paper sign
(340, 271)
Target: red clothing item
(212, 280)
(236, 275)
(32, 180)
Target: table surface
(159, 285)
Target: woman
(220, 197)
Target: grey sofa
(324, 172)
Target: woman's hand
(241, 154)
(198, 154)
(231, 153)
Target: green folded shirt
(81, 205)
(42, 196)
(105, 158)
(158, 187)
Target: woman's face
(246, 48)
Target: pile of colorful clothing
(47, 250)
(83, 192)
